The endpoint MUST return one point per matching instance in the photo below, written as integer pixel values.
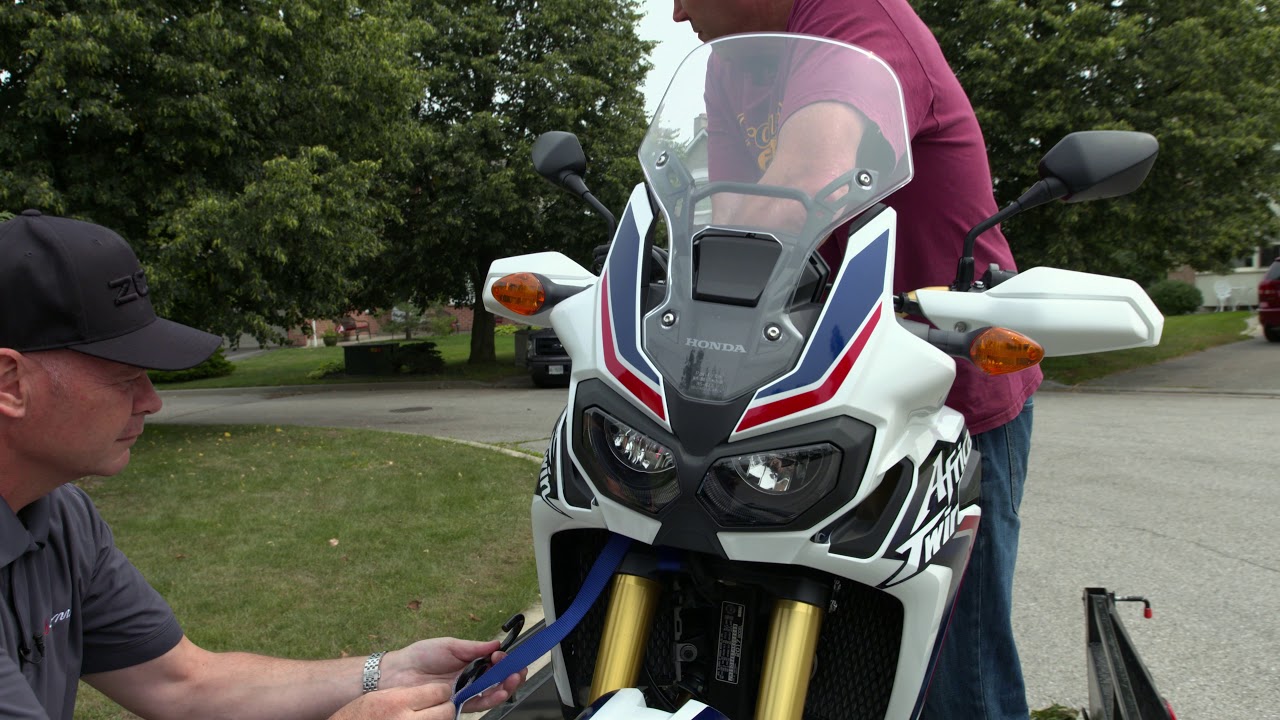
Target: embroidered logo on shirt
(55, 619)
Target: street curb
(486, 446)
(1115, 389)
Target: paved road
(1159, 482)
(517, 417)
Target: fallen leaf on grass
(180, 556)
(414, 605)
(472, 617)
(333, 542)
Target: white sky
(675, 41)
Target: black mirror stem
(575, 184)
(1050, 188)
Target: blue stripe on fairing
(852, 300)
(624, 294)
(710, 713)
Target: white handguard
(1067, 312)
(553, 266)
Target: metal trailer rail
(1120, 686)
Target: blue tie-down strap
(544, 640)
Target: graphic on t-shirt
(762, 139)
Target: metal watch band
(373, 671)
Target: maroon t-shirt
(951, 189)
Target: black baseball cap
(71, 284)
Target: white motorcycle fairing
(764, 427)
(913, 557)
(629, 704)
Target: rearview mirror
(1100, 163)
(557, 155)
(1088, 165)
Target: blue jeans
(978, 674)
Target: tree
(246, 150)
(1200, 75)
(499, 73)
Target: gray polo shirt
(70, 604)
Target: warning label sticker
(733, 618)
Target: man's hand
(598, 255)
(441, 660)
(421, 702)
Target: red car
(1269, 302)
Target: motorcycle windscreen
(763, 145)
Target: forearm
(815, 146)
(194, 684)
(251, 687)
(189, 683)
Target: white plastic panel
(1067, 312)
(554, 266)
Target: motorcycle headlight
(770, 488)
(632, 467)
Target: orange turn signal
(520, 293)
(999, 351)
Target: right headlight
(631, 467)
(770, 488)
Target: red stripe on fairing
(794, 404)
(635, 385)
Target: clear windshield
(762, 146)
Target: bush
(1174, 297)
(408, 318)
(329, 369)
(419, 358)
(508, 329)
(216, 366)
(438, 320)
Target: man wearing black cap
(77, 333)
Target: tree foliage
(498, 74)
(1203, 76)
(248, 151)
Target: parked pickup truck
(547, 361)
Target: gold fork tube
(626, 634)
(788, 660)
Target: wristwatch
(373, 671)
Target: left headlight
(630, 466)
(770, 488)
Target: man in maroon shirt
(978, 673)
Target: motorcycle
(769, 432)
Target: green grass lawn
(289, 366)
(1183, 334)
(320, 543)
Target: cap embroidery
(131, 287)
